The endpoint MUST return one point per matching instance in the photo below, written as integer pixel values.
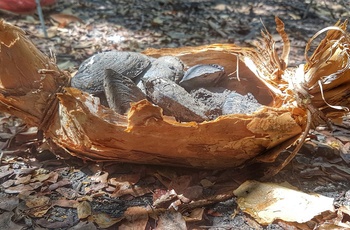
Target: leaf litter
(39, 189)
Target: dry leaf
(36, 201)
(84, 210)
(84, 225)
(171, 220)
(7, 223)
(65, 203)
(22, 180)
(104, 220)
(267, 202)
(9, 203)
(65, 19)
(39, 211)
(135, 218)
(195, 215)
(67, 192)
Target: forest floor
(40, 191)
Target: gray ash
(213, 98)
(240, 104)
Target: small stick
(41, 17)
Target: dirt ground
(45, 192)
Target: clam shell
(120, 91)
(164, 67)
(201, 76)
(90, 75)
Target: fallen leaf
(84, 210)
(9, 203)
(65, 19)
(65, 203)
(36, 201)
(136, 218)
(43, 222)
(41, 177)
(5, 171)
(22, 188)
(23, 180)
(162, 198)
(267, 202)
(193, 192)
(126, 188)
(7, 223)
(67, 192)
(103, 220)
(132, 178)
(84, 225)
(206, 183)
(60, 183)
(39, 211)
(8, 183)
(171, 220)
(100, 178)
(195, 215)
(179, 184)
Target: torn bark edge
(52, 105)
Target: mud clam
(119, 78)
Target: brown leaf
(162, 198)
(136, 218)
(104, 220)
(195, 215)
(22, 180)
(100, 178)
(125, 188)
(65, 203)
(84, 210)
(65, 19)
(39, 211)
(60, 183)
(36, 201)
(171, 220)
(67, 192)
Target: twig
(41, 17)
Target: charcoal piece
(238, 104)
(164, 67)
(174, 100)
(202, 76)
(213, 98)
(120, 91)
(90, 75)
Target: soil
(30, 172)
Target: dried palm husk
(39, 93)
(326, 72)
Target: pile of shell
(119, 78)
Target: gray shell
(90, 75)
(164, 67)
(120, 91)
(202, 76)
